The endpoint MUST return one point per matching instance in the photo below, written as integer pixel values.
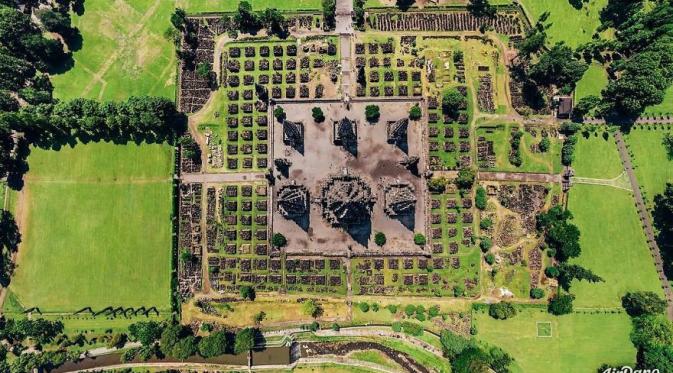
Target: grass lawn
(96, 223)
(376, 357)
(123, 52)
(592, 82)
(579, 342)
(653, 166)
(568, 24)
(665, 106)
(613, 246)
(597, 157)
(196, 6)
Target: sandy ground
(375, 162)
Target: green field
(613, 246)
(568, 24)
(196, 6)
(652, 165)
(123, 52)
(97, 228)
(592, 83)
(579, 342)
(596, 157)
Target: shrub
(486, 243)
(415, 113)
(392, 308)
(409, 310)
(375, 307)
(318, 115)
(489, 258)
(397, 327)
(502, 310)
(278, 240)
(420, 316)
(551, 272)
(311, 308)
(363, 306)
(452, 99)
(486, 223)
(380, 238)
(458, 291)
(465, 178)
(561, 304)
(433, 311)
(314, 326)
(336, 327)
(536, 293)
(419, 239)
(279, 113)
(544, 144)
(437, 185)
(372, 113)
(412, 328)
(247, 292)
(480, 199)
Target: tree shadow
(404, 5)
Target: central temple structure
(346, 200)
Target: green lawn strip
(665, 107)
(580, 342)
(375, 357)
(592, 82)
(596, 157)
(123, 52)
(87, 238)
(197, 6)
(652, 165)
(572, 26)
(613, 246)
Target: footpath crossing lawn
(124, 52)
(653, 166)
(579, 342)
(96, 228)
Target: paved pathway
(518, 176)
(344, 27)
(645, 220)
(228, 177)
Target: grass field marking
(619, 182)
(544, 329)
(98, 76)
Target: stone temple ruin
(397, 131)
(345, 132)
(346, 200)
(399, 198)
(293, 133)
(293, 201)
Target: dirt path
(229, 177)
(619, 182)
(519, 176)
(645, 220)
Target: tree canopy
(558, 67)
(641, 303)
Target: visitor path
(222, 177)
(641, 120)
(519, 176)
(619, 182)
(645, 220)
(344, 27)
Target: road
(645, 220)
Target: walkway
(344, 27)
(519, 177)
(228, 177)
(645, 220)
(619, 182)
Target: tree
(311, 308)
(380, 238)
(329, 13)
(274, 21)
(641, 303)
(279, 113)
(485, 243)
(667, 141)
(536, 293)
(551, 272)
(14, 72)
(145, 332)
(184, 348)
(318, 115)
(452, 101)
(533, 43)
(245, 17)
(179, 18)
(465, 178)
(558, 67)
(651, 331)
(485, 223)
(8, 102)
(663, 221)
(363, 306)
(584, 106)
(415, 112)
(437, 185)
(203, 69)
(244, 341)
(372, 113)
(659, 356)
(214, 344)
(502, 310)
(278, 240)
(544, 144)
(117, 341)
(247, 292)
(58, 22)
(570, 272)
(170, 336)
(480, 198)
(489, 258)
(453, 344)
(481, 8)
(560, 235)
(561, 304)
(419, 239)
(359, 14)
